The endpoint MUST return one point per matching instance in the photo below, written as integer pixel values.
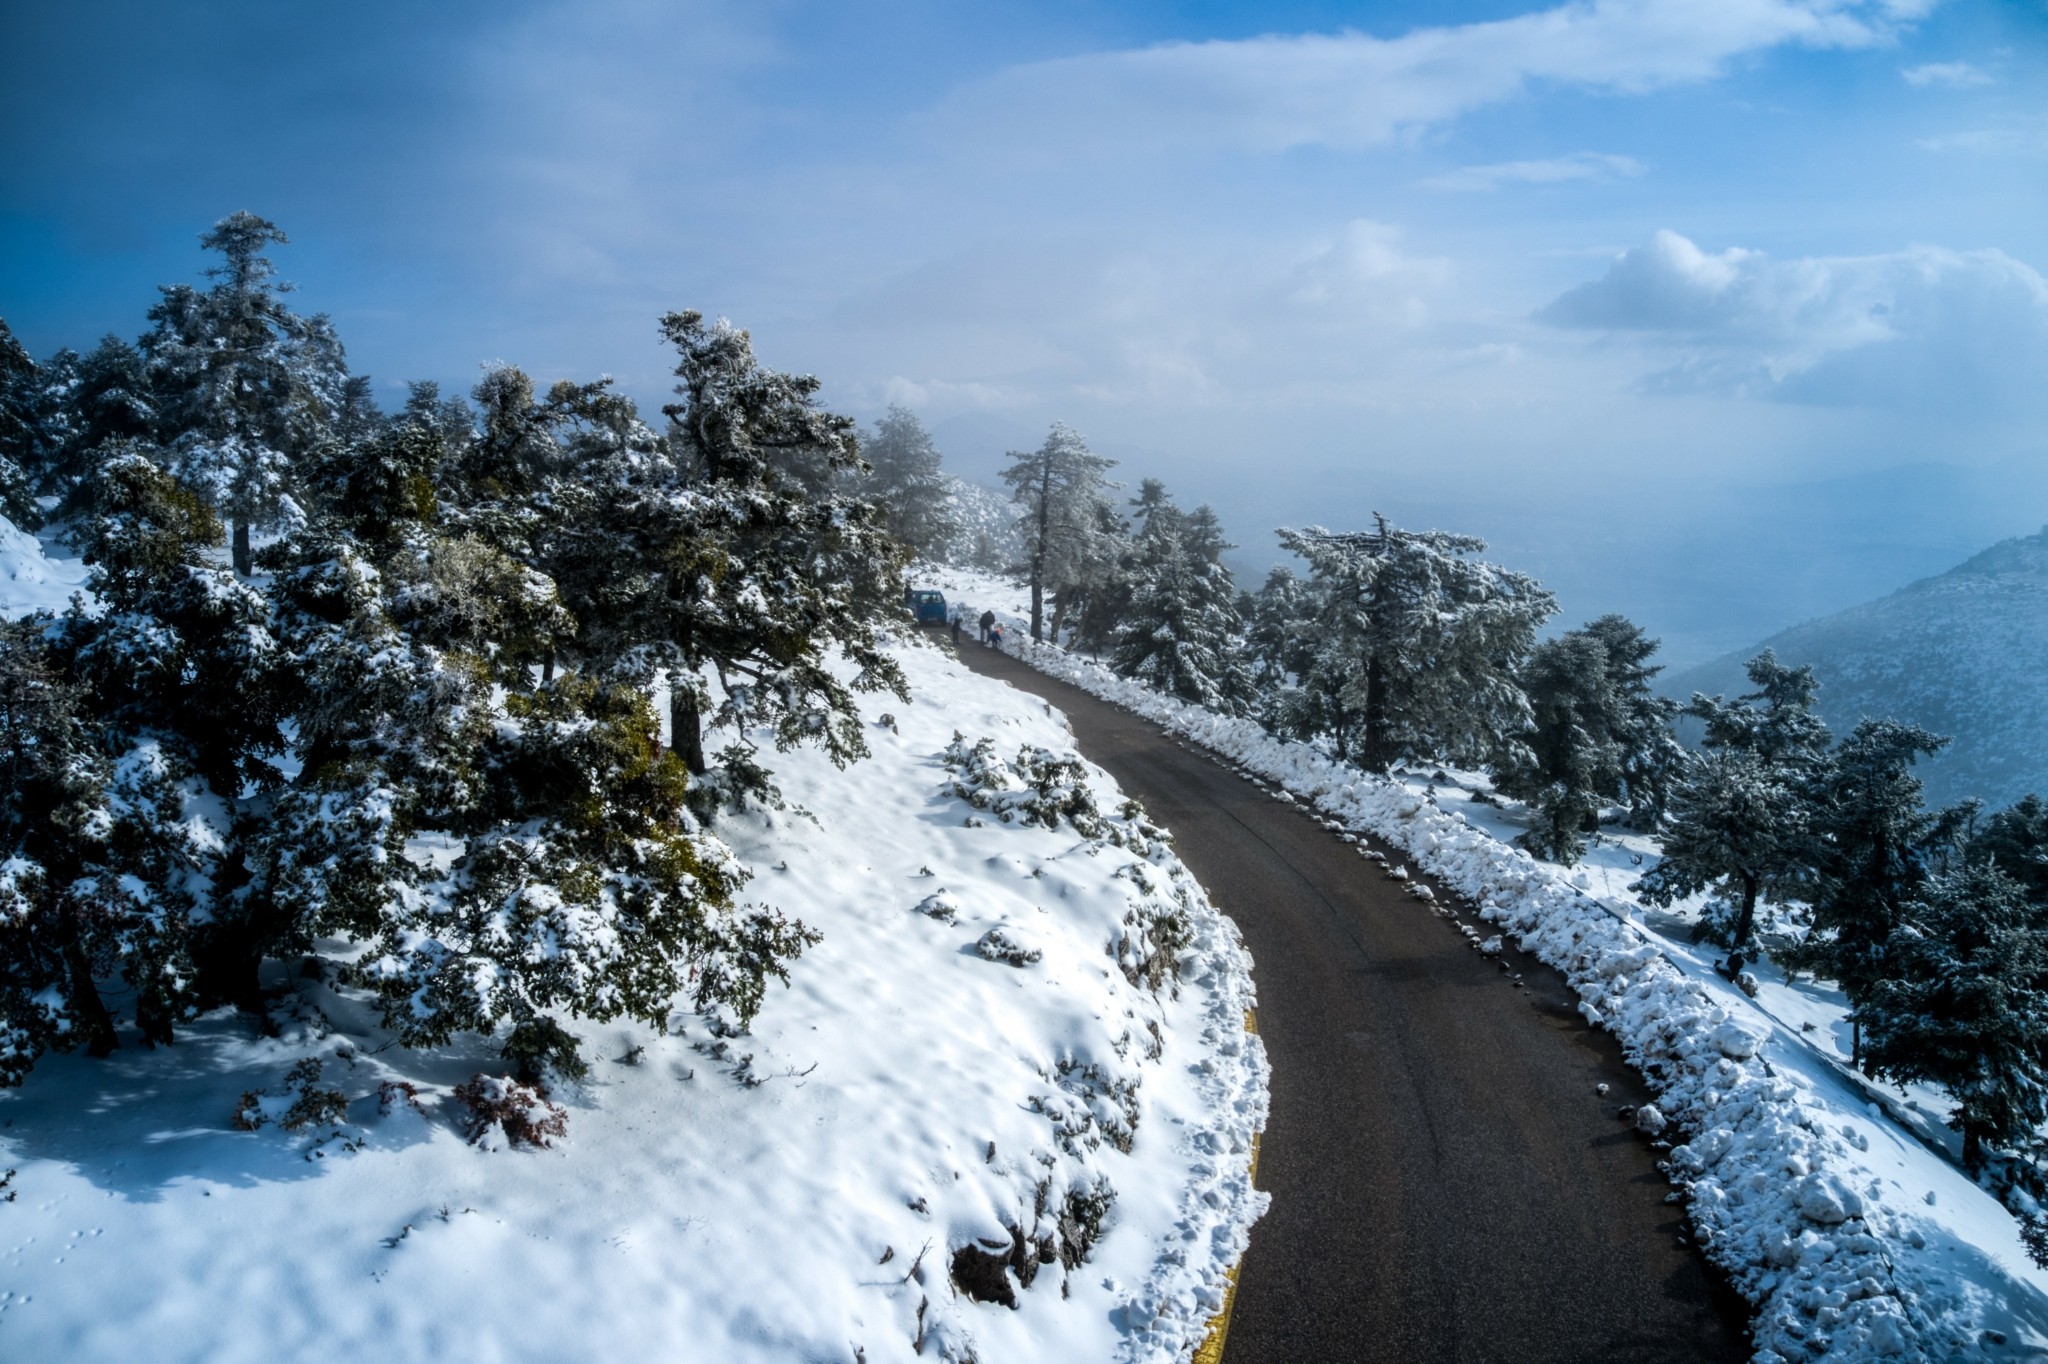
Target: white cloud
(1955, 75)
(1577, 166)
(1922, 328)
(1352, 90)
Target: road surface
(1447, 1183)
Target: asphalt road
(1447, 1184)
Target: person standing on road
(956, 629)
(988, 622)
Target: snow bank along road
(1447, 1181)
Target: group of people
(991, 628)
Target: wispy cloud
(2020, 137)
(1350, 89)
(1954, 75)
(1577, 166)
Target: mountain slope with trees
(1962, 654)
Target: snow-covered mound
(34, 576)
(1852, 1240)
(1964, 654)
(1015, 1069)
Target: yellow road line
(1210, 1351)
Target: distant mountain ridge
(1964, 653)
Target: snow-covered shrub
(503, 1112)
(300, 1104)
(1003, 943)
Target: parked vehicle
(927, 606)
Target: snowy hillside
(1015, 1069)
(1964, 654)
(1851, 1232)
(987, 522)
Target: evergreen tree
(1964, 1005)
(1599, 736)
(248, 386)
(1738, 819)
(1873, 848)
(907, 485)
(2015, 840)
(1068, 542)
(105, 399)
(1275, 632)
(1567, 765)
(1638, 719)
(730, 551)
(25, 437)
(1181, 632)
(1417, 643)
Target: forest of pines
(383, 686)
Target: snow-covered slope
(988, 525)
(1964, 654)
(1851, 1237)
(973, 1056)
(35, 574)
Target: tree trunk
(1973, 1146)
(245, 561)
(686, 728)
(1379, 748)
(1855, 1041)
(1037, 601)
(85, 1001)
(1745, 922)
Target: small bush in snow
(1000, 944)
(503, 1111)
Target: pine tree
(1639, 720)
(1737, 824)
(907, 485)
(1599, 736)
(1181, 632)
(105, 399)
(1567, 765)
(1418, 642)
(26, 446)
(732, 550)
(2015, 840)
(1873, 848)
(1063, 492)
(249, 386)
(1964, 1005)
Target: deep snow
(791, 1194)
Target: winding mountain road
(1447, 1183)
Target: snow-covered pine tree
(907, 485)
(1964, 1004)
(2015, 840)
(1873, 846)
(570, 880)
(1639, 720)
(1274, 628)
(1418, 643)
(732, 551)
(1062, 491)
(102, 397)
(1567, 764)
(1180, 631)
(1600, 736)
(247, 386)
(1737, 823)
(178, 667)
(26, 441)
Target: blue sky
(1723, 312)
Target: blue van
(927, 606)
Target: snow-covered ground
(1851, 1232)
(925, 1083)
